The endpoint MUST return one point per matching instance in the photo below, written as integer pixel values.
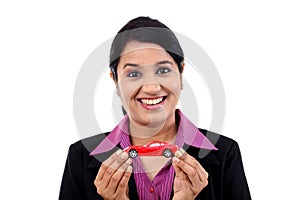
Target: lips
(152, 103)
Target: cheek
(126, 91)
(174, 85)
(176, 90)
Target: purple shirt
(161, 186)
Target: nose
(151, 88)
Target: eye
(134, 74)
(163, 70)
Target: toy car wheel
(167, 153)
(133, 153)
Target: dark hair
(145, 29)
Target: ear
(116, 84)
(182, 66)
(111, 75)
(117, 88)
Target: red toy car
(155, 148)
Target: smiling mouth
(152, 101)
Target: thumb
(178, 180)
(177, 184)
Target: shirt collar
(187, 133)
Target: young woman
(147, 63)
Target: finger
(202, 173)
(178, 171)
(107, 163)
(180, 177)
(123, 184)
(182, 155)
(119, 161)
(191, 172)
(110, 171)
(115, 157)
(118, 175)
(177, 180)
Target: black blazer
(226, 180)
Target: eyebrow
(130, 65)
(158, 63)
(164, 62)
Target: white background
(255, 46)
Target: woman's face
(149, 83)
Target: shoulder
(227, 176)
(222, 142)
(226, 146)
(86, 145)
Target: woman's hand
(113, 176)
(190, 177)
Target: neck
(141, 135)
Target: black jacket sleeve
(235, 183)
(71, 185)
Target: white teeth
(152, 101)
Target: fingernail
(118, 152)
(176, 160)
(129, 161)
(124, 155)
(129, 169)
(182, 150)
(178, 153)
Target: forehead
(136, 45)
(144, 53)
